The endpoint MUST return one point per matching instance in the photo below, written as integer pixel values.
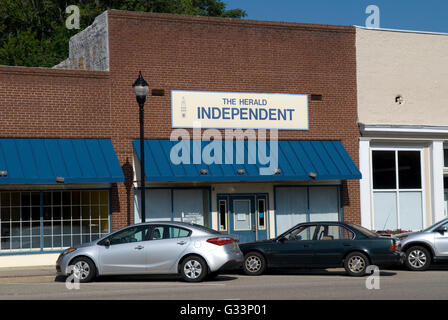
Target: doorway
(244, 215)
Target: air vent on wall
(316, 97)
(399, 99)
(158, 92)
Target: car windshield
(363, 230)
(432, 226)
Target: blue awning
(31, 161)
(297, 160)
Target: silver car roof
(197, 228)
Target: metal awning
(297, 160)
(42, 161)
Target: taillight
(393, 247)
(220, 241)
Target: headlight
(401, 238)
(67, 251)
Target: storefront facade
(89, 97)
(402, 113)
(238, 199)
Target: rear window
(363, 230)
(205, 229)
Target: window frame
(397, 189)
(154, 226)
(339, 226)
(303, 227)
(125, 229)
(43, 221)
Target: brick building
(83, 114)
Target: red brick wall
(216, 54)
(50, 103)
(189, 53)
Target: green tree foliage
(33, 32)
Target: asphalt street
(333, 284)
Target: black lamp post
(141, 89)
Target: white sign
(193, 217)
(237, 110)
(241, 217)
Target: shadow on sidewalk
(149, 278)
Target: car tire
(356, 264)
(254, 264)
(193, 269)
(418, 258)
(83, 269)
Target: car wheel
(254, 264)
(356, 264)
(193, 269)
(83, 269)
(417, 258)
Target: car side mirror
(442, 230)
(282, 239)
(107, 242)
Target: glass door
(243, 214)
(242, 217)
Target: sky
(416, 15)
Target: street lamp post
(141, 89)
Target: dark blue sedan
(322, 245)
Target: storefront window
(291, 207)
(159, 205)
(166, 204)
(397, 189)
(409, 170)
(191, 205)
(304, 204)
(384, 176)
(45, 220)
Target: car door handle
(346, 244)
(306, 245)
(139, 247)
(182, 242)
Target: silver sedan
(193, 251)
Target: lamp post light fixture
(141, 89)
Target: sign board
(193, 217)
(238, 110)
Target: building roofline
(402, 31)
(113, 13)
(53, 72)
